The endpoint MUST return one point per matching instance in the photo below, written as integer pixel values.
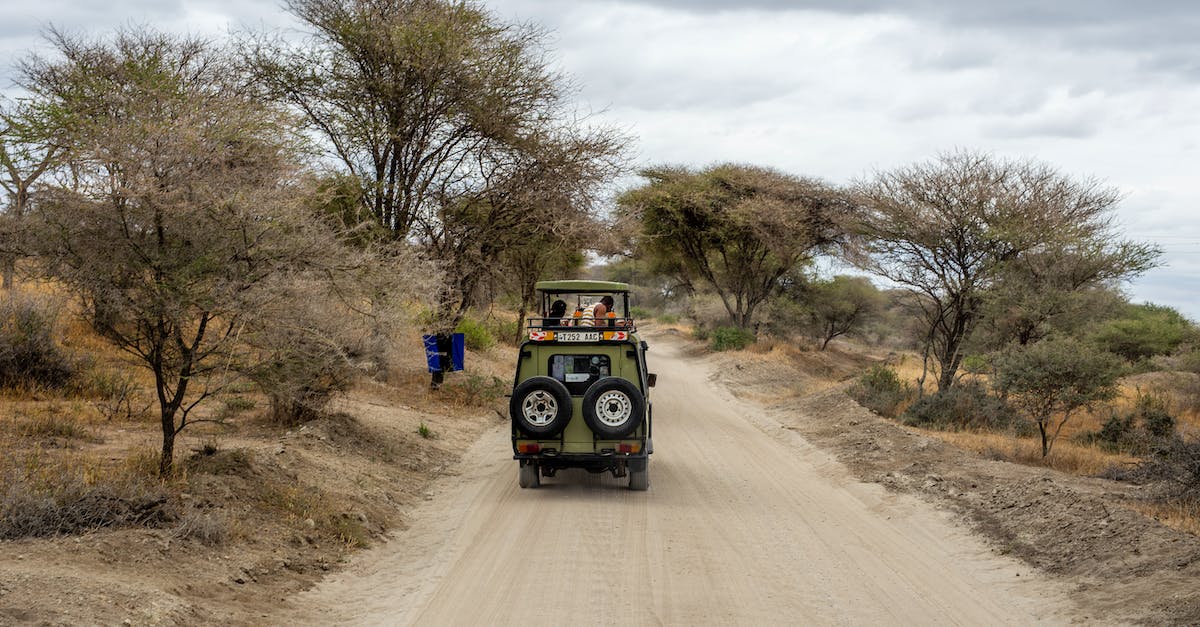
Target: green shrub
(966, 406)
(28, 352)
(1145, 331)
(476, 334)
(641, 313)
(668, 318)
(1052, 378)
(880, 390)
(502, 329)
(976, 364)
(700, 332)
(731, 338)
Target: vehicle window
(577, 372)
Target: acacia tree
(737, 228)
(1053, 378)
(452, 122)
(839, 305)
(543, 192)
(553, 253)
(1047, 291)
(953, 229)
(27, 151)
(184, 204)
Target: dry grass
(305, 504)
(1066, 456)
(46, 493)
(47, 425)
(1181, 515)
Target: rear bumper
(594, 462)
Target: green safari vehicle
(581, 394)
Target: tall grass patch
(30, 356)
(46, 495)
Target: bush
(668, 318)
(502, 329)
(41, 497)
(1148, 426)
(476, 334)
(966, 406)
(1052, 378)
(1145, 331)
(1176, 468)
(731, 338)
(701, 333)
(207, 528)
(640, 313)
(880, 390)
(28, 353)
(473, 390)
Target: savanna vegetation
(191, 225)
(997, 308)
(213, 233)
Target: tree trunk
(1045, 442)
(9, 269)
(166, 461)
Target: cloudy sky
(839, 89)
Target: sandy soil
(745, 523)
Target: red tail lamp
(629, 448)
(528, 447)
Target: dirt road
(744, 523)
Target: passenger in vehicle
(596, 313)
(558, 309)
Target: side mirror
(651, 379)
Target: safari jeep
(581, 396)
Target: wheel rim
(539, 408)
(614, 408)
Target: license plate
(577, 336)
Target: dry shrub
(313, 334)
(966, 406)
(45, 496)
(209, 528)
(30, 356)
(116, 393)
(473, 390)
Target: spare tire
(613, 407)
(540, 407)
